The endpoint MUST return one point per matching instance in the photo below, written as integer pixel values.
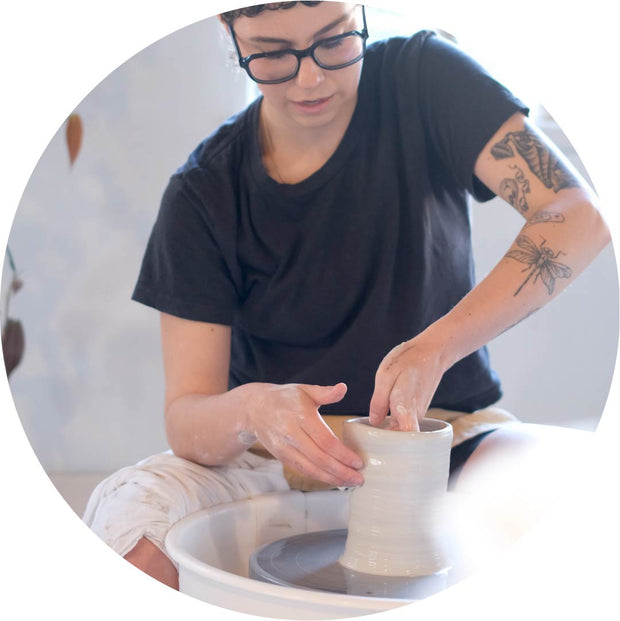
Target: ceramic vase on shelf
(396, 516)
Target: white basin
(213, 548)
(491, 510)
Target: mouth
(313, 105)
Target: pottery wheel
(310, 561)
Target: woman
(314, 252)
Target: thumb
(322, 395)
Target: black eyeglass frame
(244, 62)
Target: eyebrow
(317, 34)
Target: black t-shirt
(320, 279)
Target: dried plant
(73, 135)
(13, 339)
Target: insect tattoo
(541, 263)
(542, 162)
(513, 191)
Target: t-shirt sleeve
(183, 271)
(463, 106)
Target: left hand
(406, 381)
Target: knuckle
(402, 410)
(399, 399)
(382, 379)
(401, 404)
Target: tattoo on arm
(545, 216)
(542, 162)
(540, 263)
(513, 191)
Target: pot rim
(441, 427)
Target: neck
(292, 153)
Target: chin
(337, 109)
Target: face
(315, 97)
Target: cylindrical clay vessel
(395, 516)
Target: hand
(286, 420)
(405, 383)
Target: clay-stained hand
(405, 383)
(286, 420)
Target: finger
(320, 466)
(326, 451)
(404, 411)
(326, 440)
(296, 441)
(380, 400)
(322, 395)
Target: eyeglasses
(282, 65)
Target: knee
(132, 511)
(147, 557)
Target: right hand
(286, 420)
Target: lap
(145, 500)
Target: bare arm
(562, 234)
(196, 361)
(209, 424)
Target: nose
(310, 74)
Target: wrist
(251, 404)
(443, 342)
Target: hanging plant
(13, 339)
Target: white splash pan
(213, 548)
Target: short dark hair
(251, 11)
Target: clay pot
(396, 517)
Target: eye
(330, 45)
(276, 55)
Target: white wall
(89, 391)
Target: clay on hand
(405, 383)
(286, 420)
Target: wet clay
(396, 517)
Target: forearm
(211, 429)
(563, 233)
(555, 245)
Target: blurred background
(89, 389)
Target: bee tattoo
(541, 263)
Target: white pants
(145, 500)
